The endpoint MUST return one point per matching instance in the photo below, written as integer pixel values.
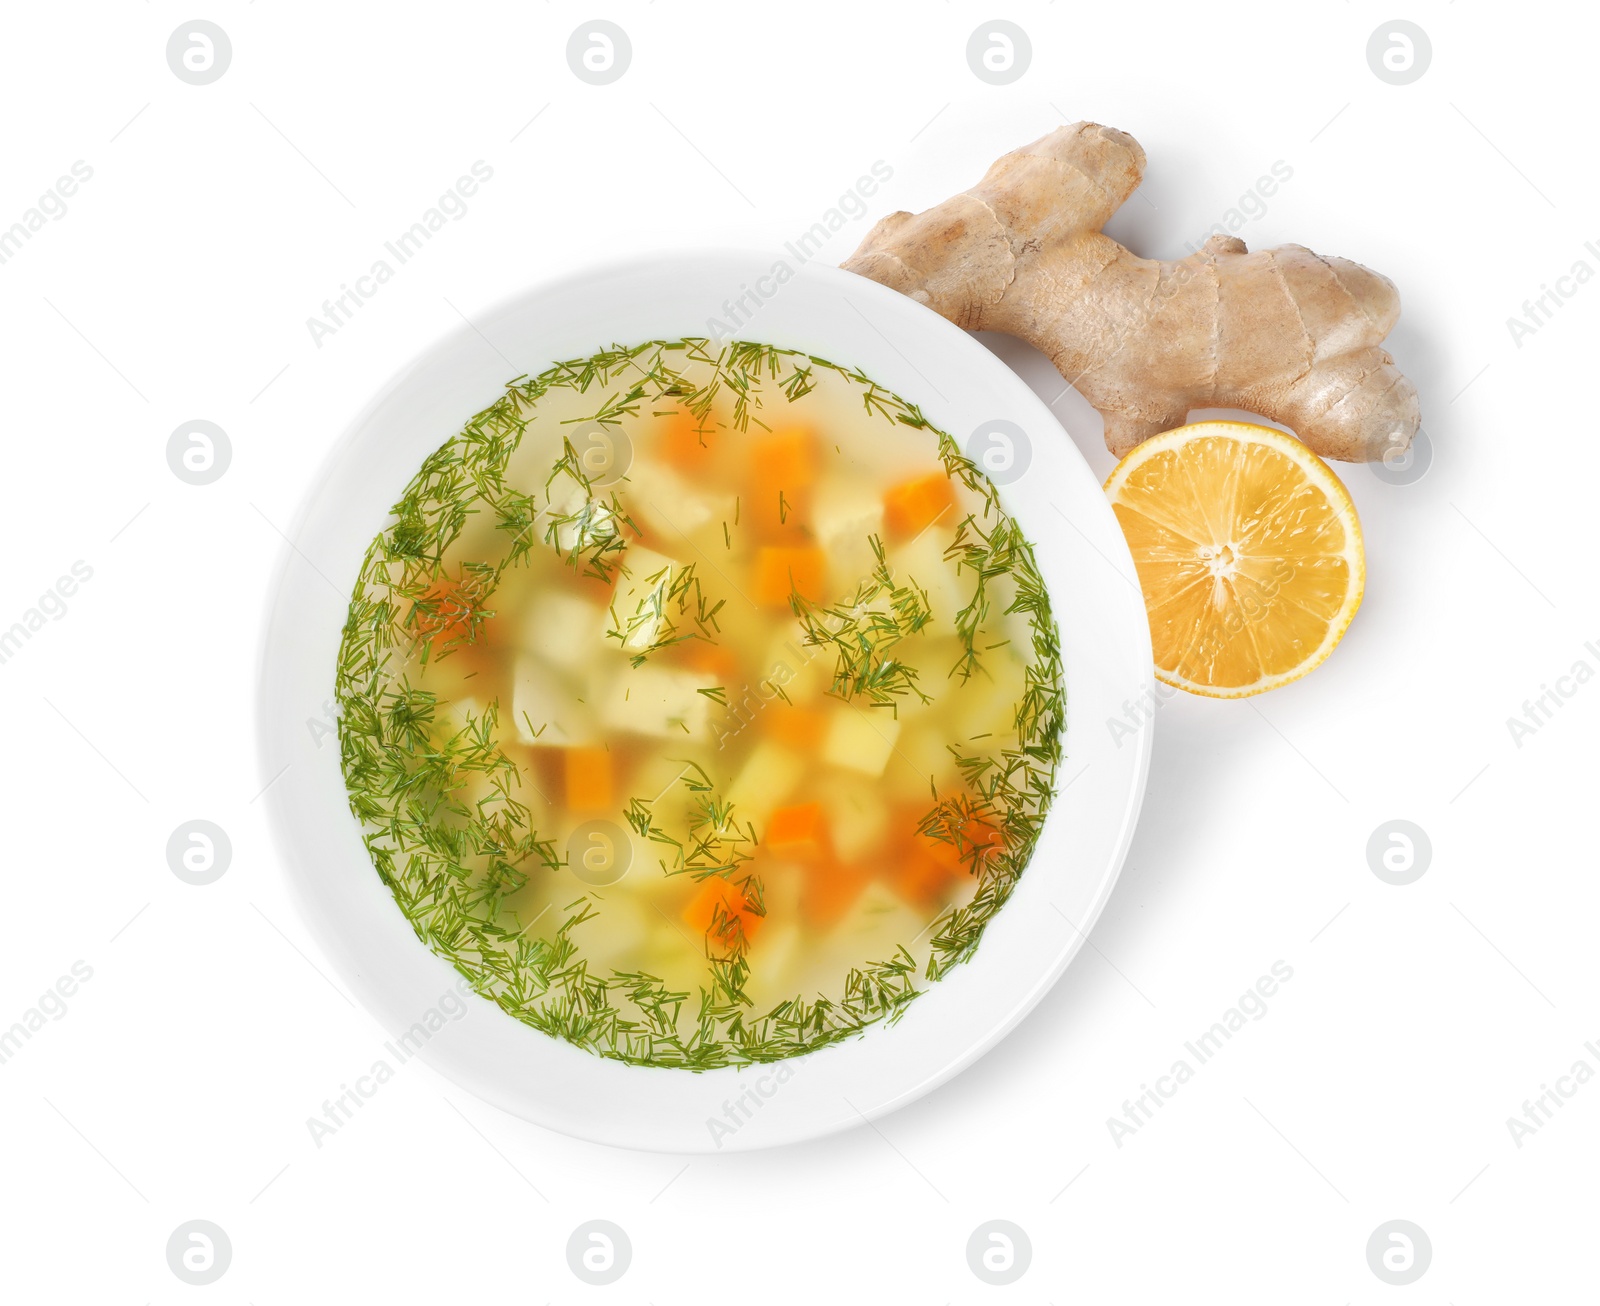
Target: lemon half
(1249, 554)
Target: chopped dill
(864, 630)
(673, 595)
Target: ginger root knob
(1286, 333)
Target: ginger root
(1283, 332)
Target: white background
(1377, 1086)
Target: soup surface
(701, 706)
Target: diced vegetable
(926, 750)
(858, 817)
(639, 601)
(781, 571)
(913, 505)
(767, 777)
(662, 701)
(621, 930)
(580, 515)
(800, 728)
(860, 740)
(721, 911)
(783, 467)
(563, 629)
(959, 845)
(796, 831)
(589, 779)
(787, 456)
(670, 504)
(802, 672)
(545, 711)
(445, 613)
(959, 841)
(830, 890)
(773, 960)
(693, 446)
(845, 514)
(991, 709)
(922, 878)
(716, 660)
(878, 912)
(461, 713)
(922, 561)
(932, 657)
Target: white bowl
(1106, 657)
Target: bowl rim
(458, 1053)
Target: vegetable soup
(701, 706)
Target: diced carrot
(588, 774)
(829, 891)
(780, 571)
(783, 467)
(926, 867)
(921, 878)
(796, 831)
(801, 728)
(690, 444)
(963, 842)
(785, 457)
(445, 612)
(908, 508)
(720, 897)
(713, 659)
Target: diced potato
(655, 777)
(772, 960)
(869, 930)
(881, 912)
(478, 787)
(860, 739)
(922, 560)
(544, 709)
(608, 857)
(660, 701)
(922, 748)
(671, 504)
(845, 514)
(988, 705)
(461, 712)
(932, 657)
(562, 628)
(622, 925)
(1017, 627)
(585, 517)
(858, 818)
(767, 777)
(801, 670)
(639, 604)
